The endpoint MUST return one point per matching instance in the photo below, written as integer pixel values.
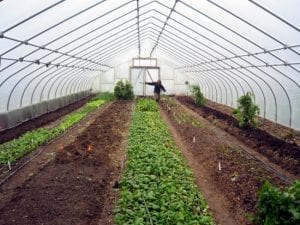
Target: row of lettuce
(157, 186)
(17, 148)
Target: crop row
(157, 186)
(17, 148)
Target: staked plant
(246, 111)
(199, 97)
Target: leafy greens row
(17, 148)
(157, 186)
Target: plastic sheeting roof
(53, 48)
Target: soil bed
(285, 153)
(228, 177)
(9, 134)
(76, 186)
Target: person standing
(157, 88)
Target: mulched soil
(9, 134)
(282, 151)
(76, 186)
(228, 177)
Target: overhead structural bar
(273, 14)
(138, 25)
(57, 24)
(47, 64)
(236, 33)
(251, 25)
(31, 17)
(163, 28)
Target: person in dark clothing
(157, 88)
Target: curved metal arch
(253, 26)
(14, 88)
(202, 86)
(42, 92)
(117, 51)
(118, 46)
(288, 98)
(224, 72)
(258, 85)
(83, 86)
(34, 90)
(236, 80)
(217, 74)
(70, 83)
(87, 85)
(76, 82)
(209, 85)
(48, 80)
(74, 15)
(62, 83)
(223, 81)
(40, 80)
(276, 107)
(124, 29)
(243, 37)
(219, 86)
(48, 55)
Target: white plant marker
(194, 139)
(219, 165)
(9, 166)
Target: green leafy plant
(144, 105)
(17, 148)
(277, 207)
(246, 111)
(123, 90)
(200, 100)
(157, 185)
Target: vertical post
(144, 80)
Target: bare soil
(75, 183)
(267, 140)
(15, 132)
(228, 172)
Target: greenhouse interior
(150, 112)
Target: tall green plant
(246, 111)
(277, 207)
(199, 97)
(123, 90)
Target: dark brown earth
(281, 150)
(75, 186)
(9, 134)
(228, 172)
(72, 181)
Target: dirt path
(75, 183)
(227, 176)
(215, 199)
